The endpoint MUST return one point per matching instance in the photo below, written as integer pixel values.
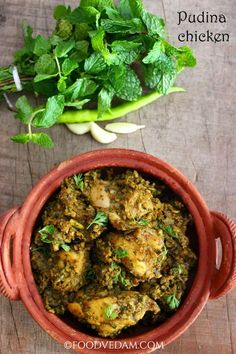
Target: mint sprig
(89, 57)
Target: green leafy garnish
(110, 312)
(178, 269)
(168, 230)
(100, 219)
(120, 253)
(172, 302)
(48, 231)
(90, 56)
(79, 181)
(143, 222)
(45, 232)
(119, 276)
(65, 247)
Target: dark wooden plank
(194, 131)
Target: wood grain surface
(195, 131)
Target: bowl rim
(150, 165)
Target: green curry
(111, 248)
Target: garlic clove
(79, 128)
(123, 127)
(101, 135)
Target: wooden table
(195, 131)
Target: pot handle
(8, 286)
(224, 278)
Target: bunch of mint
(98, 52)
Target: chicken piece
(138, 203)
(132, 250)
(151, 237)
(99, 198)
(113, 274)
(69, 268)
(109, 313)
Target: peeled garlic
(101, 135)
(79, 128)
(123, 128)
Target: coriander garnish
(172, 302)
(120, 253)
(100, 219)
(167, 229)
(79, 181)
(110, 312)
(45, 232)
(143, 222)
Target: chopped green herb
(110, 312)
(172, 302)
(120, 253)
(100, 219)
(79, 181)
(45, 232)
(178, 269)
(168, 230)
(114, 265)
(165, 251)
(143, 222)
(65, 247)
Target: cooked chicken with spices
(109, 312)
(112, 250)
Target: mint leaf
(24, 110)
(95, 64)
(104, 101)
(123, 26)
(60, 12)
(98, 43)
(81, 31)
(68, 66)
(137, 8)
(81, 88)
(124, 9)
(21, 138)
(99, 4)
(126, 52)
(42, 45)
(45, 65)
(43, 140)
(54, 108)
(124, 46)
(77, 104)
(63, 48)
(185, 58)
(166, 81)
(42, 77)
(61, 85)
(113, 14)
(155, 25)
(86, 14)
(154, 53)
(125, 82)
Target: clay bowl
(16, 226)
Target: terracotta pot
(16, 226)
